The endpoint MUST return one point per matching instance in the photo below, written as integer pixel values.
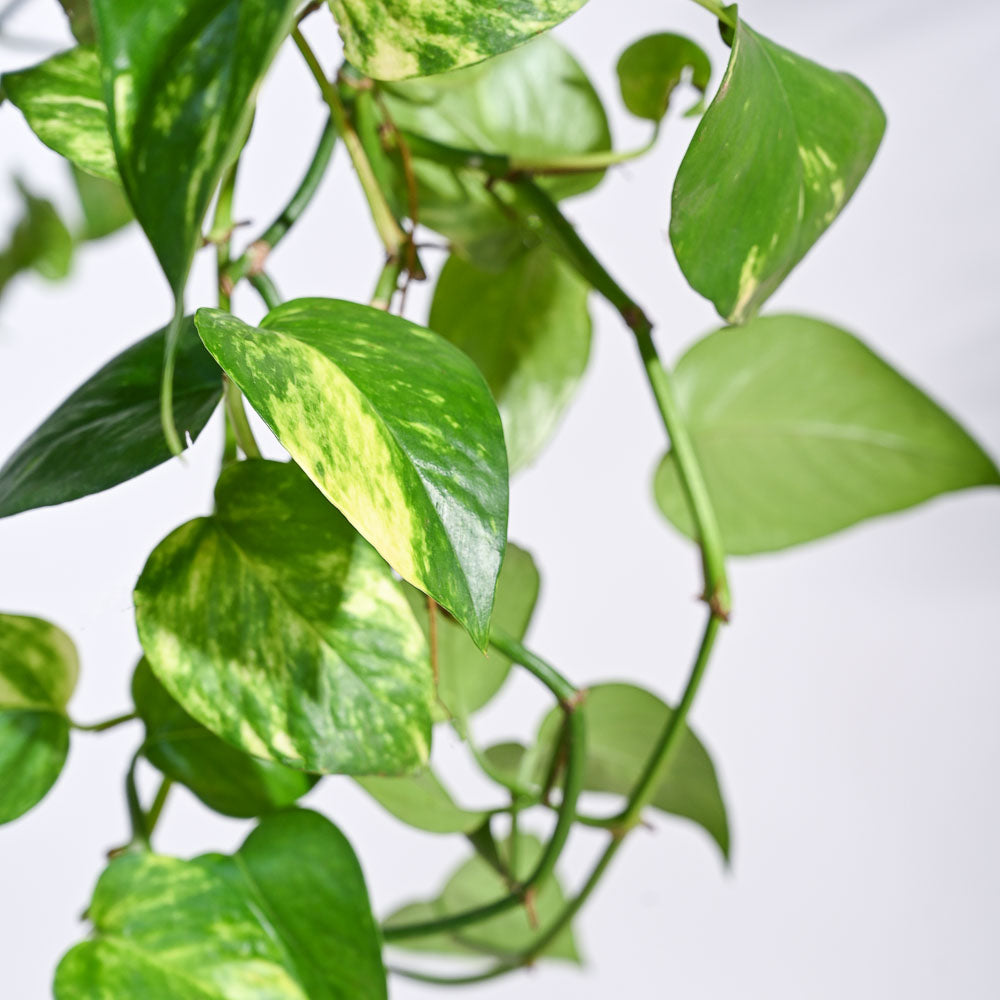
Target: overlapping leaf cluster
(332, 609)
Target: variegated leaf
(396, 427)
(280, 629)
(390, 40)
(776, 157)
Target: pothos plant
(334, 608)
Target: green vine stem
(100, 727)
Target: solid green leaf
(389, 40)
(511, 765)
(802, 431)
(420, 800)
(467, 677)
(224, 778)
(117, 407)
(476, 883)
(528, 330)
(285, 918)
(62, 101)
(535, 104)
(40, 242)
(776, 157)
(81, 20)
(103, 204)
(38, 670)
(396, 427)
(651, 69)
(278, 627)
(180, 80)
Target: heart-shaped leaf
(118, 406)
(38, 670)
(776, 157)
(396, 427)
(224, 778)
(40, 242)
(802, 431)
(651, 69)
(287, 918)
(278, 627)
(389, 40)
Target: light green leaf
(62, 101)
(476, 883)
(396, 427)
(103, 203)
(511, 765)
(650, 69)
(118, 406)
(802, 431)
(468, 678)
(40, 242)
(534, 104)
(224, 778)
(280, 629)
(390, 41)
(528, 330)
(420, 800)
(38, 670)
(776, 157)
(285, 918)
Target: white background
(851, 708)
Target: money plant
(336, 608)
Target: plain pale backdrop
(852, 706)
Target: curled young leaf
(651, 69)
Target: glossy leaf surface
(224, 778)
(776, 157)
(396, 427)
(389, 40)
(38, 671)
(285, 918)
(40, 242)
(117, 412)
(475, 883)
(535, 103)
(420, 800)
(651, 69)
(180, 79)
(278, 627)
(467, 677)
(62, 101)
(528, 330)
(802, 431)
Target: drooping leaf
(802, 431)
(776, 157)
(528, 330)
(390, 41)
(62, 101)
(40, 242)
(278, 627)
(103, 203)
(420, 800)
(108, 430)
(38, 670)
(81, 20)
(475, 883)
(224, 778)
(285, 918)
(396, 427)
(468, 678)
(535, 104)
(651, 69)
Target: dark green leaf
(224, 778)
(63, 102)
(468, 678)
(650, 69)
(534, 104)
(420, 800)
(278, 627)
(117, 410)
(476, 883)
(285, 918)
(38, 670)
(103, 203)
(81, 20)
(396, 427)
(180, 80)
(528, 330)
(801, 431)
(389, 40)
(776, 157)
(40, 242)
